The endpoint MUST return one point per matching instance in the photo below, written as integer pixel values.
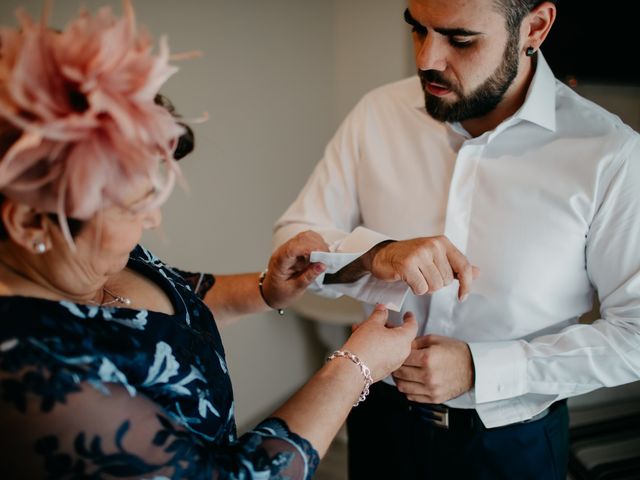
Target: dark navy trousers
(389, 439)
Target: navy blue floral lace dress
(101, 392)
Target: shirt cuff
(360, 240)
(332, 262)
(367, 289)
(500, 370)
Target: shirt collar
(539, 106)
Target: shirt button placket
(457, 221)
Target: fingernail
(464, 297)
(380, 307)
(319, 267)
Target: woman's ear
(25, 226)
(536, 26)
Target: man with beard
(484, 159)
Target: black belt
(446, 417)
(450, 418)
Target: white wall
(371, 48)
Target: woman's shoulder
(197, 283)
(144, 260)
(144, 255)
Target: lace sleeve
(90, 432)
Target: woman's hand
(383, 349)
(290, 271)
(320, 407)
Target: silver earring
(530, 51)
(39, 247)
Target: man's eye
(460, 42)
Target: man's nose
(431, 54)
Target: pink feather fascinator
(79, 127)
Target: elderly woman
(111, 363)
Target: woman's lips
(437, 90)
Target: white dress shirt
(547, 205)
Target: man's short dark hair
(515, 10)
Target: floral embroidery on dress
(54, 353)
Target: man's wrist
(370, 255)
(355, 270)
(473, 367)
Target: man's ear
(537, 24)
(25, 226)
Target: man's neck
(513, 99)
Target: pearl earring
(39, 247)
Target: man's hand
(437, 369)
(426, 264)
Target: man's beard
(479, 102)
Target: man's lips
(437, 89)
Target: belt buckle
(441, 418)
(436, 414)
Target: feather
(82, 103)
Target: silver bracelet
(260, 282)
(366, 373)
